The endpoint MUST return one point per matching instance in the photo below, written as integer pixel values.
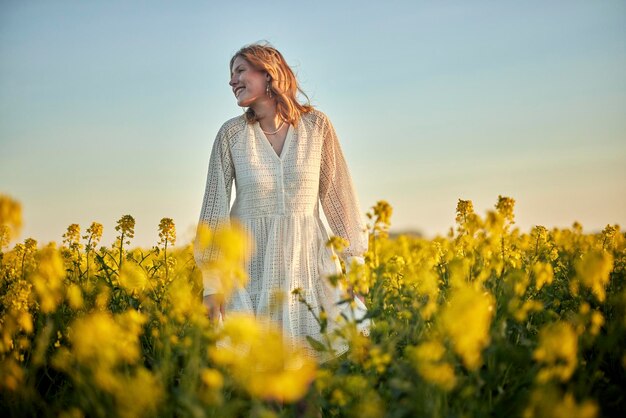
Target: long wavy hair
(283, 83)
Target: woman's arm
(339, 199)
(215, 213)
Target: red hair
(283, 83)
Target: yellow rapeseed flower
(102, 298)
(10, 219)
(211, 391)
(18, 297)
(505, 207)
(464, 208)
(204, 236)
(516, 282)
(597, 321)
(167, 232)
(72, 237)
(468, 222)
(133, 278)
(212, 378)
(359, 345)
(611, 237)
(72, 412)
(337, 243)
(223, 255)
(428, 285)
(339, 397)
(459, 272)
(94, 234)
(549, 402)
(261, 361)
(25, 321)
(126, 227)
(11, 374)
(101, 338)
(520, 310)
(378, 360)
(594, 270)
(466, 320)
(427, 358)
(324, 379)
(543, 274)
(183, 304)
(48, 278)
(369, 406)
(557, 351)
(382, 213)
(232, 242)
(74, 296)
(139, 394)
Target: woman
(285, 159)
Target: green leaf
(317, 346)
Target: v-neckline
(264, 139)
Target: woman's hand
(215, 305)
(360, 297)
(354, 294)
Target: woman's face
(248, 84)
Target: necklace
(273, 133)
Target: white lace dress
(277, 202)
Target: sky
(110, 108)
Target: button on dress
(277, 202)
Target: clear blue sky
(111, 108)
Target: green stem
(121, 251)
(166, 269)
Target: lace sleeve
(338, 197)
(215, 213)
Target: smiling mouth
(238, 90)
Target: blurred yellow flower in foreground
(466, 320)
(48, 278)
(105, 352)
(74, 296)
(594, 270)
(378, 360)
(10, 219)
(212, 378)
(72, 412)
(428, 285)
(261, 361)
(557, 351)
(104, 341)
(427, 358)
(139, 394)
(543, 273)
(597, 321)
(221, 256)
(12, 374)
(549, 402)
(182, 303)
(520, 310)
(458, 272)
(133, 278)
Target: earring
(268, 91)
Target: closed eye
(239, 69)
